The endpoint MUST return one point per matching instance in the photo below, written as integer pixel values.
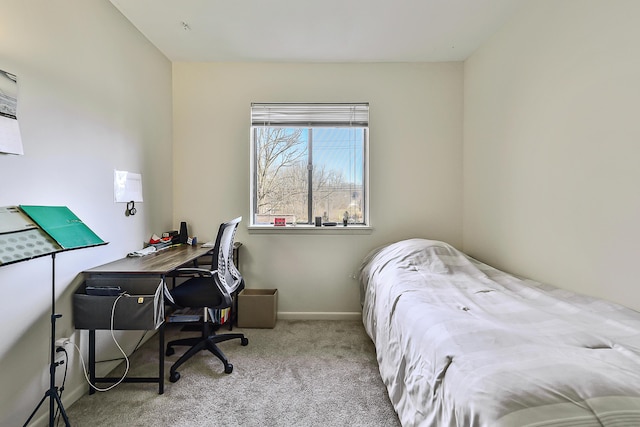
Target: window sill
(309, 229)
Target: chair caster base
(228, 368)
(175, 376)
(244, 341)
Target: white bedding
(460, 343)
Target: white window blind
(310, 115)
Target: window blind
(309, 115)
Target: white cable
(84, 368)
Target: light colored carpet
(301, 373)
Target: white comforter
(460, 343)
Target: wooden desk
(158, 263)
(161, 263)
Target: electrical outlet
(61, 342)
(60, 357)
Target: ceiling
(317, 30)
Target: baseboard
(319, 315)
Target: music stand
(45, 230)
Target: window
(308, 161)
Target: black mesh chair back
(227, 272)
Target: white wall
(415, 152)
(551, 147)
(94, 96)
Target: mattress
(460, 343)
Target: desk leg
(92, 360)
(161, 359)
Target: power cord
(135, 348)
(126, 371)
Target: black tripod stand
(53, 392)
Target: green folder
(63, 226)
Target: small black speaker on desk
(184, 235)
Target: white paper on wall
(127, 186)
(10, 140)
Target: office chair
(209, 290)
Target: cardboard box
(257, 308)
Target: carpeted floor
(301, 373)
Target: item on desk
(142, 252)
(161, 245)
(173, 235)
(183, 232)
(160, 242)
(209, 244)
(154, 240)
(192, 241)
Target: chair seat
(196, 292)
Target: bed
(460, 343)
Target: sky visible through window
(339, 149)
